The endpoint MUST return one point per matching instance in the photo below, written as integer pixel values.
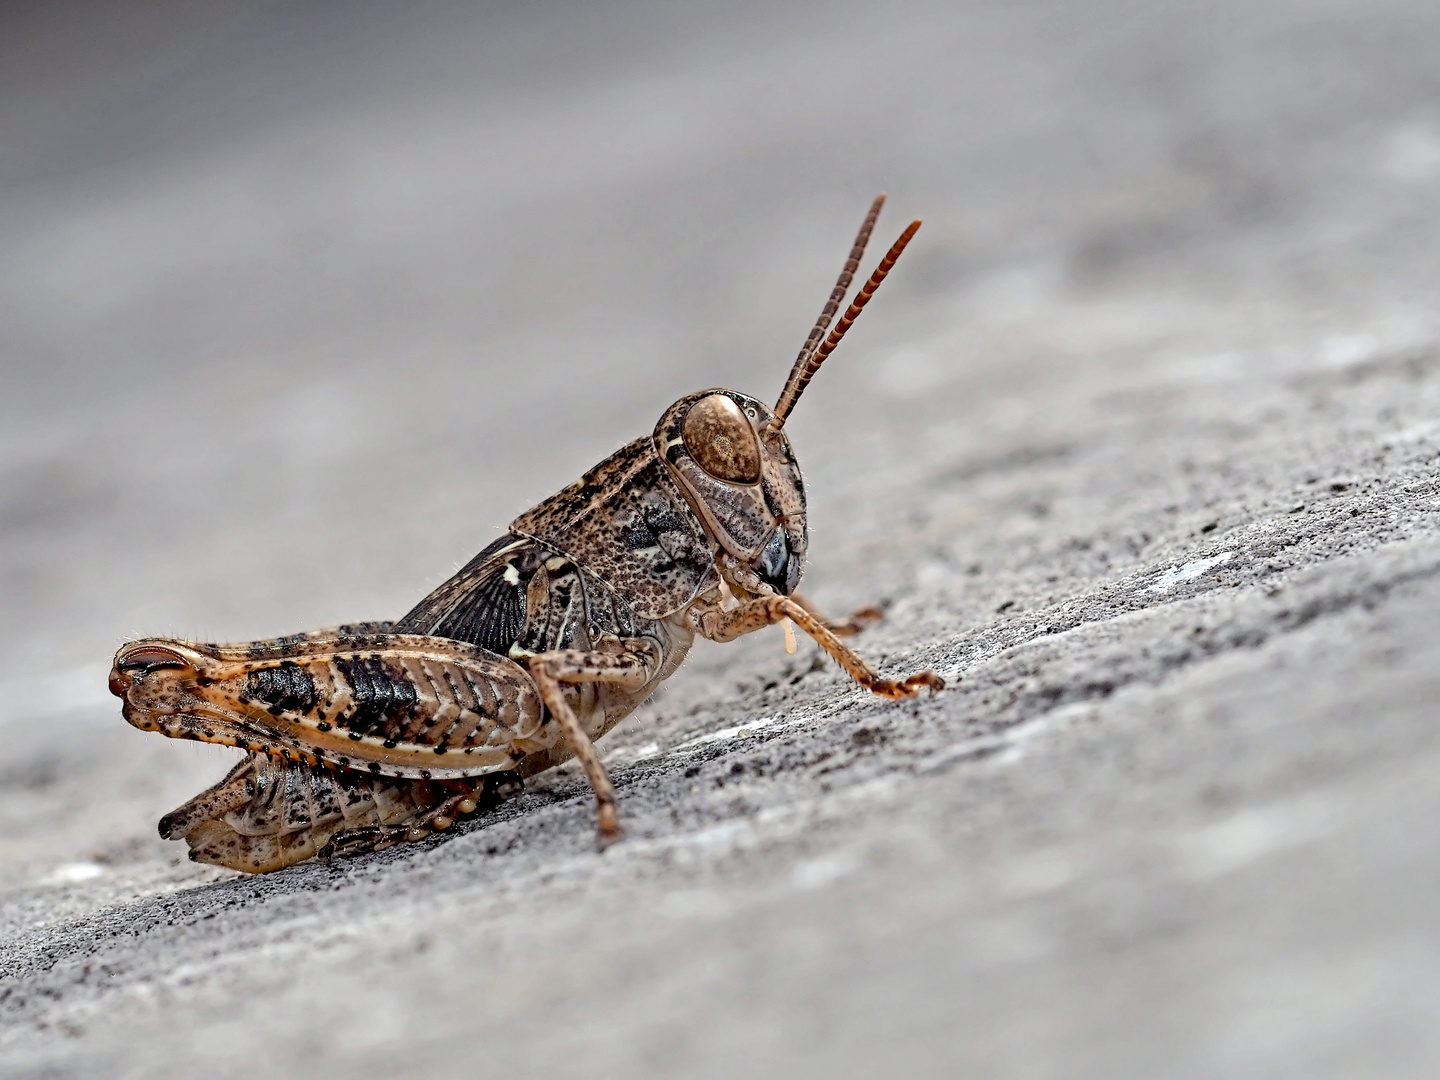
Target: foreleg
(718, 624)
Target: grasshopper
(362, 736)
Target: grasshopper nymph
(362, 736)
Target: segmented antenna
(802, 374)
(842, 285)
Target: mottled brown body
(365, 735)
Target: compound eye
(721, 440)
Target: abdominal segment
(269, 813)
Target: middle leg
(850, 625)
(628, 665)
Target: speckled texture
(1137, 446)
(626, 522)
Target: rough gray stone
(1137, 447)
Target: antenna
(808, 363)
(842, 284)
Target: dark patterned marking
(404, 695)
(637, 536)
(770, 503)
(368, 707)
(286, 688)
(627, 523)
(380, 694)
(662, 519)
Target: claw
(913, 685)
(926, 679)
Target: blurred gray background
(301, 303)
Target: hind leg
(486, 793)
(364, 840)
(628, 664)
(231, 793)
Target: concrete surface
(299, 303)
